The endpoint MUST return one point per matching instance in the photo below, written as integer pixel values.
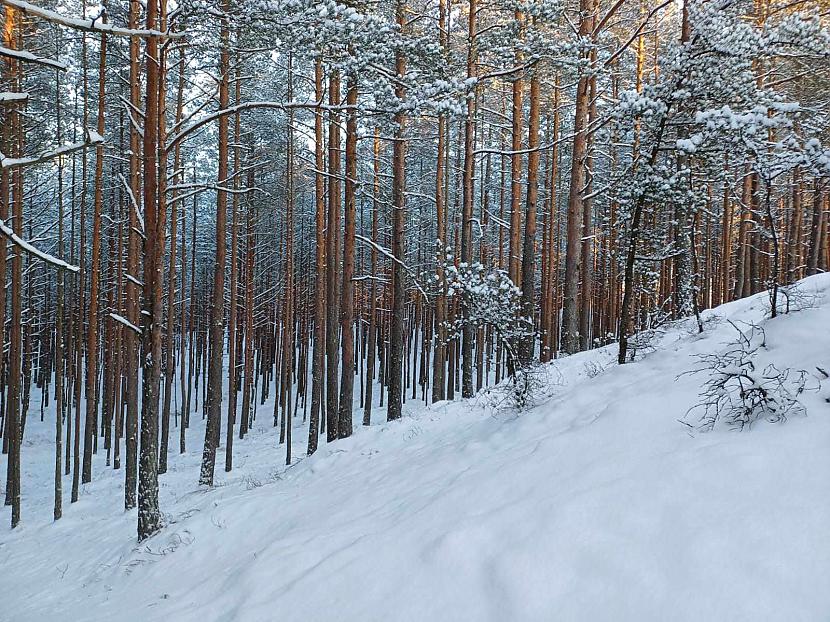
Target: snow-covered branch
(388, 253)
(28, 57)
(125, 322)
(27, 247)
(133, 203)
(208, 118)
(6, 97)
(88, 25)
(93, 138)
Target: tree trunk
(94, 277)
(288, 319)
(319, 363)
(396, 331)
(12, 135)
(133, 315)
(344, 425)
(371, 340)
(332, 233)
(440, 316)
(149, 516)
(250, 246)
(217, 305)
(573, 255)
(587, 249)
(816, 228)
(232, 375)
(527, 346)
(468, 197)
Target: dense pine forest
(340, 209)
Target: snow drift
(597, 504)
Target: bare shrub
(527, 387)
(738, 392)
(793, 298)
(593, 368)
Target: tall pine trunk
(396, 331)
(217, 303)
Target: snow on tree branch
(93, 138)
(26, 246)
(28, 57)
(125, 322)
(7, 97)
(388, 253)
(213, 116)
(88, 25)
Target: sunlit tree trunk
(579, 151)
(527, 345)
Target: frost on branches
(490, 300)
(707, 108)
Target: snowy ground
(598, 504)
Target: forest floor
(596, 504)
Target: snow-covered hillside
(597, 504)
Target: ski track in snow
(597, 504)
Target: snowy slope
(595, 505)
